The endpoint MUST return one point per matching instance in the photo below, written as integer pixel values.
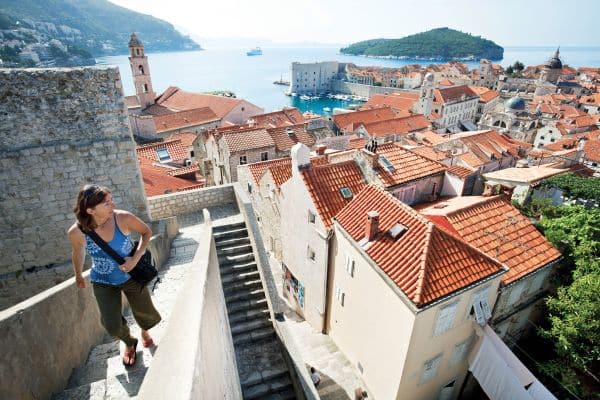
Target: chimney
(320, 149)
(372, 158)
(372, 225)
(300, 158)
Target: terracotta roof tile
(499, 230)
(408, 165)
(286, 137)
(356, 143)
(131, 101)
(454, 93)
(324, 183)
(485, 94)
(431, 153)
(258, 169)
(287, 116)
(157, 182)
(184, 119)
(350, 121)
(179, 100)
(238, 141)
(397, 101)
(426, 262)
(459, 171)
(591, 150)
(397, 125)
(186, 138)
(173, 147)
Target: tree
(518, 66)
(509, 70)
(574, 312)
(574, 186)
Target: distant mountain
(436, 44)
(94, 26)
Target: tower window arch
(137, 51)
(141, 69)
(145, 87)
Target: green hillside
(96, 26)
(440, 43)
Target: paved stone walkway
(339, 378)
(103, 376)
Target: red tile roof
(431, 153)
(591, 150)
(397, 101)
(397, 125)
(350, 121)
(454, 93)
(184, 119)
(131, 102)
(258, 169)
(173, 147)
(324, 182)
(356, 143)
(186, 138)
(408, 165)
(157, 182)
(179, 100)
(238, 141)
(426, 262)
(459, 171)
(286, 137)
(499, 230)
(287, 116)
(485, 94)
(488, 143)
(591, 100)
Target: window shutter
(445, 319)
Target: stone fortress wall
(59, 129)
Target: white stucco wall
(453, 185)
(297, 235)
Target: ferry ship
(254, 52)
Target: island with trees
(436, 44)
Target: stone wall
(180, 203)
(359, 89)
(60, 128)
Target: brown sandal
(147, 343)
(131, 355)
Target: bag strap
(103, 245)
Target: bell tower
(425, 103)
(141, 72)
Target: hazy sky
(507, 22)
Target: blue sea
(252, 78)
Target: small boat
(281, 82)
(326, 109)
(254, 52)
(304, 97)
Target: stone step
(88, 373)
(236, 259)
(232, 242)
(246, 305)
(271, 387)
(233, 250)
(232, 234)
(251, 282)
(248, 315)
(287, 394)
(90, 391)
(245, 295)
(228, 227)
(254, 337)
(235, 274)
(249, 326)
(263, 376)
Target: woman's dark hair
(89, 197)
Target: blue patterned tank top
(105, 270)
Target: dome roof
(429, 77)
(554, 62)
(134, 41)
(515, 103)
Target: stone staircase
(261, 365)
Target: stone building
(314, 78)
(72, 130)
(455, 105)
(141, 73)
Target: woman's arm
(77, 254)
(132, 223)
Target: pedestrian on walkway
(360, 394)
(95, 211)
(315, 376)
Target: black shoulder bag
(144, 271)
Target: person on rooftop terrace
(95, 211)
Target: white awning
(500, 373)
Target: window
(163, 155)
(460, 351)
(145, 87)
(430, 368)
(311, 254)
(445, 319)
(191, 153)
(349, 265)
(515, 293)
(243, 160)
(479, 308)
(264, 156)
(346, 192)
(340, 295)
(311, 217)
(249, 188)
(141, 68)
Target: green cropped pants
(110, 306)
